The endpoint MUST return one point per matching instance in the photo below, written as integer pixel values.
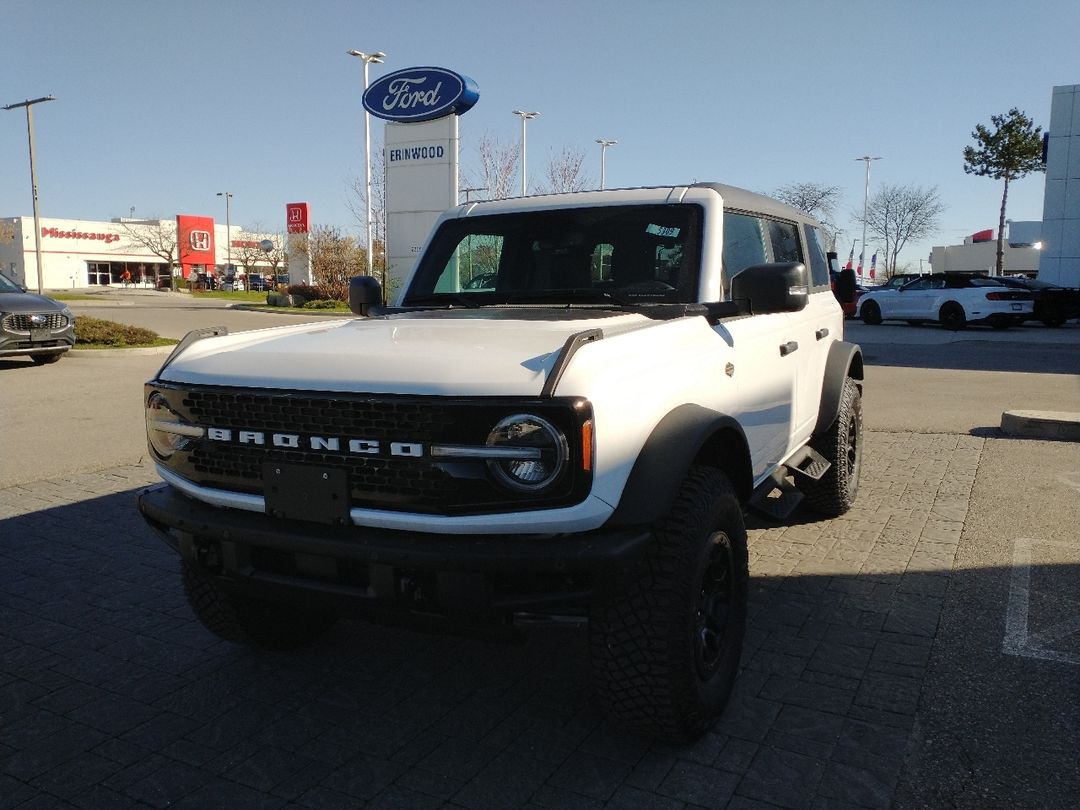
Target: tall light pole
(367, 59)
(525, 116)
(28, 104)
(228, 231)
(866, 196)
(603, 154)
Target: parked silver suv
(33, 325)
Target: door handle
(821, 334)
(788, 348)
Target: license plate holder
(1017, 307)
(40, 335)
(301, 492)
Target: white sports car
(952, 299)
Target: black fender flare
(690, 433)
(845, 360)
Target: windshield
(607, 255)
(7, 286)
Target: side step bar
(777, 496)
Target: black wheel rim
(853, 453)
(715, 613)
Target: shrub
(307, 292)
(326, 304)
(109, 333)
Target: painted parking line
(1019, 640)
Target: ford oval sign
(420, 94)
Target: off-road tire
(244, 620)
(841, 445)
(952, 316)
(870, 314)
(665, 645)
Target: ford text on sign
(420, 94)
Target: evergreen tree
(1010, 151)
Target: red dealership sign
(195, 241)
(296, 217)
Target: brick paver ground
(113, 696)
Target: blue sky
(162, 104)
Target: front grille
(21, 321)
(416, 484)
(369, 418)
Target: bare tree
(356, 204)
(819, 201)
(159, 237)
(247, 251)
(496, 169)
(564, 172)
(900, 214)
(335, 258)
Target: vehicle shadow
(110, 689)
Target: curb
(1060, 425)
(92, 353)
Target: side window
(744, 243)
(819, 263)
(474, 265)
(784, 237)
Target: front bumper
(13, 344)
(364, 570)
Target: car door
(819, 325)
(915, 300)
(766, 375)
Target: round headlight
(166, 431)
(541, 452)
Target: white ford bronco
(563, 415)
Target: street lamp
(28, 104)
(866, 195)
(367, 59)
(228, 231)
(525, 116)
(603, 153)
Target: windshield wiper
(442, 299)
(588, 295)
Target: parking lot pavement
(111, 695)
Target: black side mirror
(845, 286)
(834, 261)
(772, 287)
(365, 292)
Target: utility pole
(33, 174)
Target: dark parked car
(1053, 304)
(258, 283)
(33, 325)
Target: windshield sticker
(662, 230)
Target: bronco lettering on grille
(330, 444)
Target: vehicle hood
(28, 302)
(501, 352)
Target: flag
(850, 258)
(873, 266)
(858, 270)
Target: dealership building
(78, 254)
